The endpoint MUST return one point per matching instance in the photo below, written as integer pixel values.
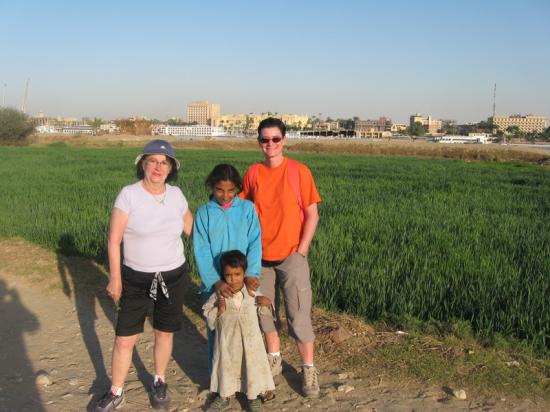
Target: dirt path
(55, 321)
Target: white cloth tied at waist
(158, 279)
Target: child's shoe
(218, 404)
(255, 405)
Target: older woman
(149, 218)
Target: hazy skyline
(340, 59)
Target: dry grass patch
(369, 147)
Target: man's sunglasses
(263, 140)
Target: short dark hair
(224, 172)
(234, 259)
(272, 122)
(173, 175)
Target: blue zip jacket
(217, 230)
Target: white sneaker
(275, 364)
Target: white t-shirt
(152, 238)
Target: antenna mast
(24, 104)
(494, 101)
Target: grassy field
(443, 241)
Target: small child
(240, 363)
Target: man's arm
(311, 218)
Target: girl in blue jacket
(225, 223)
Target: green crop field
(399, 238)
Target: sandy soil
(57, 322)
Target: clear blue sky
(339, 58)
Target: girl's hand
(252, 283)
(221, 306)
(114, 289)
(223, 289)
(263, 301)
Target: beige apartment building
(202, 112)
(526, 124)
(431, 125)
(249, 122)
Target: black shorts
(135, 301)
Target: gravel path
(55, 345)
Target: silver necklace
(160, 199)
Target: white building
(194, 131)
(109, 128)
(472, 139)
(78, 130)
(46, 128)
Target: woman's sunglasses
(263, 140)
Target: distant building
(46, 128)
(378, 128)
(526, 124)
(299, 121)
(202, 112)
(109, 128)
(78, 130)
(191, 131)
(41, 120)
(470, 139)
(236, 124)
(328, 125)
(398, 127)
(431, 125)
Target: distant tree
(15, 127)
(135, 127)
(464, 129)
(417, 129)
(96, 122)
(532, 136)
(175, 122)
(347, 124)
(486, 127)
(450, 128)
(514, 132)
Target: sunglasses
(263, 140)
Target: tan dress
(240, 360)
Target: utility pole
(494, 101)
(25, 95)
(4, 95)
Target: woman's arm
(311, 218)
(117, 225)
(188, 223)
(254, 252)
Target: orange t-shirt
(278, 208)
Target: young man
(285, 196)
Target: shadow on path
(88, 290)
(190, 347)
(88, 283)
(17, 377)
